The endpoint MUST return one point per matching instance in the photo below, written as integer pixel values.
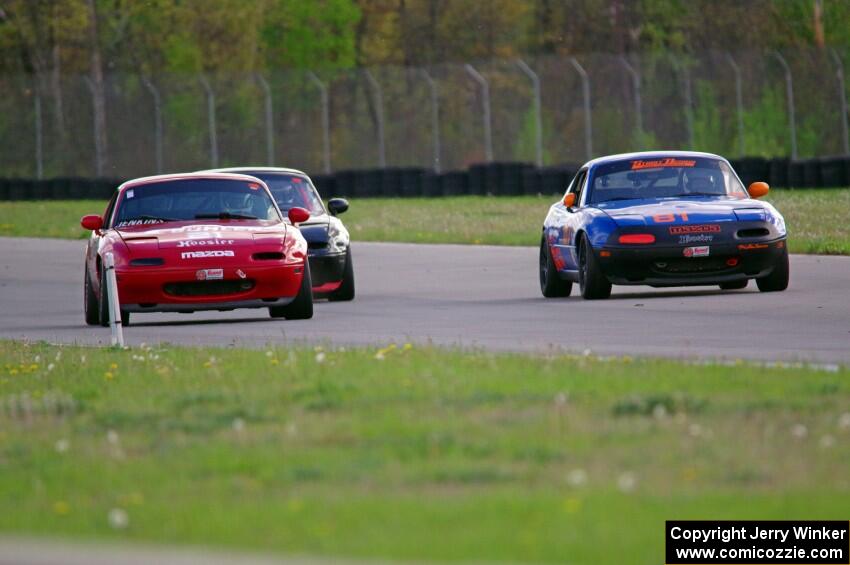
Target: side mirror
(758, 189)
(337, 206)
(570, 200)
(91, 222)
(297, 215)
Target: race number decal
(669, 218)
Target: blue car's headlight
(777, 220)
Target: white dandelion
(291, 429)
(577, 477)
(799, 431)
(827, 441)
(627, 481)
(118, 519)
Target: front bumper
(326, 269)
(158, 289)
(667, 266)
(200, 306)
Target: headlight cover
(775, 218)
(338, 238)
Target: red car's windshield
(191, 199)
(664, 177)
(290, 191)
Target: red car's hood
(194, 235)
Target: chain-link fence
(547, 111)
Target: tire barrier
(497, 179)
(57, 189)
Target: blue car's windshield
(664, 177)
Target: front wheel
(551, 285)
(346, 289)
(90, 304)
(777, 280)
(302, 307)
(593, 283)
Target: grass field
(817, 219)
(411, 454)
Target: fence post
(98, 149)
(111, 289)
(789, 95)
(689, 102)
(157, 122)
(588, 116)
(326, 120)
(485, 95)
(839, 73)
(39, 136)
(688, 95)
(435, 117)
(636, 87)
(739, 102)
(538, 118)
(211, 120)
(378, 99)
(267, 94)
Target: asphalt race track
(477, 297)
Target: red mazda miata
(198, 241)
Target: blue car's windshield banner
(762, 542)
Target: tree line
(49, 41)
(155, 36)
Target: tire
(346, 289)
(551, 285)
(777, 280)
(90, 303)
(592, 282)
(734, 285)
(302, 307)
(103, 304)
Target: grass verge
(817, 219)
(411, 454)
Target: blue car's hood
(695, 209)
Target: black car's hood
(315, 230)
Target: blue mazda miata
(671, 218)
